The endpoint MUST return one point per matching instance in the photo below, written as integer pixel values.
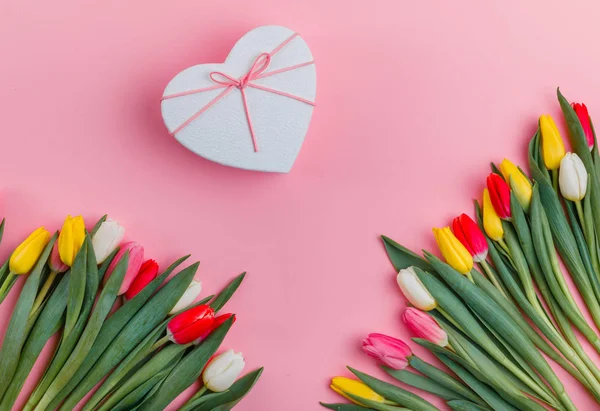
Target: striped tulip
(519, 184)
(414, 290)
(500, 195)
(423, 326)
(492, 224)
(347, 387)
(553, 148)
(147, 273)
(191, 324)
(469, 234)
(453, 251)
(136, 256)
(390, 351)
(586, 122)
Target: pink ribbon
(257, 71)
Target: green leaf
(11, 282)
(15, 333)
(48, 323)
(113, 325)
(401, 257)
(127, 338)
(76, 288)
(344, 407)
(137, 396)
(188, 370)
(423, 383)
(443, 379)
(227, 293)
(3, 274)
(230, 397)
(460, 405)
(484, 391)
(366, 401)
(393, 393)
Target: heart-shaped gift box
(253, 110)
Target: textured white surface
(221, 134)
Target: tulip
(390, 351)
(107, 239)
(28, 252)
(222, 371)
(573, 177)
(55, 263)
(188, 297)
(216, 324)
(500, 195)
(191, 324)
(345, 386)
(414, 290)
(469, 234)
(423, 326)
(71, 239)
(453, 251)
(148, 272)
(136, 256)
(586, 122)
(519, 184)
(553, 148)
(492, 224)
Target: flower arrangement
(499, 298)
(146, 351)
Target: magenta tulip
(390, 351)
(423, 326)
(136, 257)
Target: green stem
(43, 292)
(6, 284)
(449, 318)
(504, 247)
(555, 179)
(490, 273)
(159, 343)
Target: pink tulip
(390, 351)
(55, 263)
(136, 257)
(423, 326)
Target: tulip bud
(572, 178)
(27, 253)
(492, 224)
(469, 234)
(191, 324)
(55, 263)
(107, 239)
(345, 386)
(453, 251)
(71, 239)
(519, 184)
(188, 297)
(222, 371)
(136, 256)
(586, 122)
(414, 290)
(500, 195)
(148, 272)
(553, 148)
(216, 324)
(423, 326)
(390, 351)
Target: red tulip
(500, 195)
(191, 324)
(469, 234)
(216, 324)
(584, 118)
(148, 272)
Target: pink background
(414, 100)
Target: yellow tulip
(492, 224)
(553, 148)
(28, 252)
(453, 251)
(71, 239)
(345, 386)
(519, 184)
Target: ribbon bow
(257, 71)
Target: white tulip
(107, 239)
(414, 291)
(573, 177)
(220, 374)
(188, 297)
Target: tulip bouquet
(499, 298)
(120, 322)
